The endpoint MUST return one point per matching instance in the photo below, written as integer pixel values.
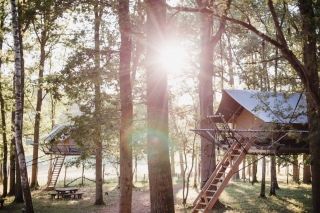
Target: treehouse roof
(270, 107)
(56, 131)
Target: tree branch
(286, 52)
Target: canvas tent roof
(54, 132)
(268, 106)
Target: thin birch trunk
(19, 111)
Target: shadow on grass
(244, 197)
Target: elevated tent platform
(58, 142)
(278, 121)
(266, 142)
(251, 122)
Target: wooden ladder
(54, 173)
(216, 183)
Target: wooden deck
(267, 142)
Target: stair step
(57, 166)
(209, 198)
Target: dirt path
(141, 201)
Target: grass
(244, 197)
(237, 197)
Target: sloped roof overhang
(268, 106)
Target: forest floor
(237, 197)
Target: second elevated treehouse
(277, 120)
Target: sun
(174, 58)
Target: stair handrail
(218, 167)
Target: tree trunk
(208, 158)
(34, 177)
(236, 175)
(312, 88)
(306, 170)
(243, 173)
(186, 177)
(287, 173)
(160, 180)
(136, 167)
(18, 194)
(12, 164)
(273, 177)
(276, 185)
(175, 145)
(18, 109)
(172, 160)
(82, 174)
(181, 161)
(254, 169)
(65, 177)
(195, 177)
(3, 117)
(1, 170)
(126, 108)
(50, 168)
(263, 178)
(5, 142)
(98, 10)
(249, 168)
(295, 166)
(230, 67)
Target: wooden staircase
(216, 183)
(55, 171)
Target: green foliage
(98, 111)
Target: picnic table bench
(1, 202)
(53, 195)
(77, 195)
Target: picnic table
(66, 192)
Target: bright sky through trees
(174, 58)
